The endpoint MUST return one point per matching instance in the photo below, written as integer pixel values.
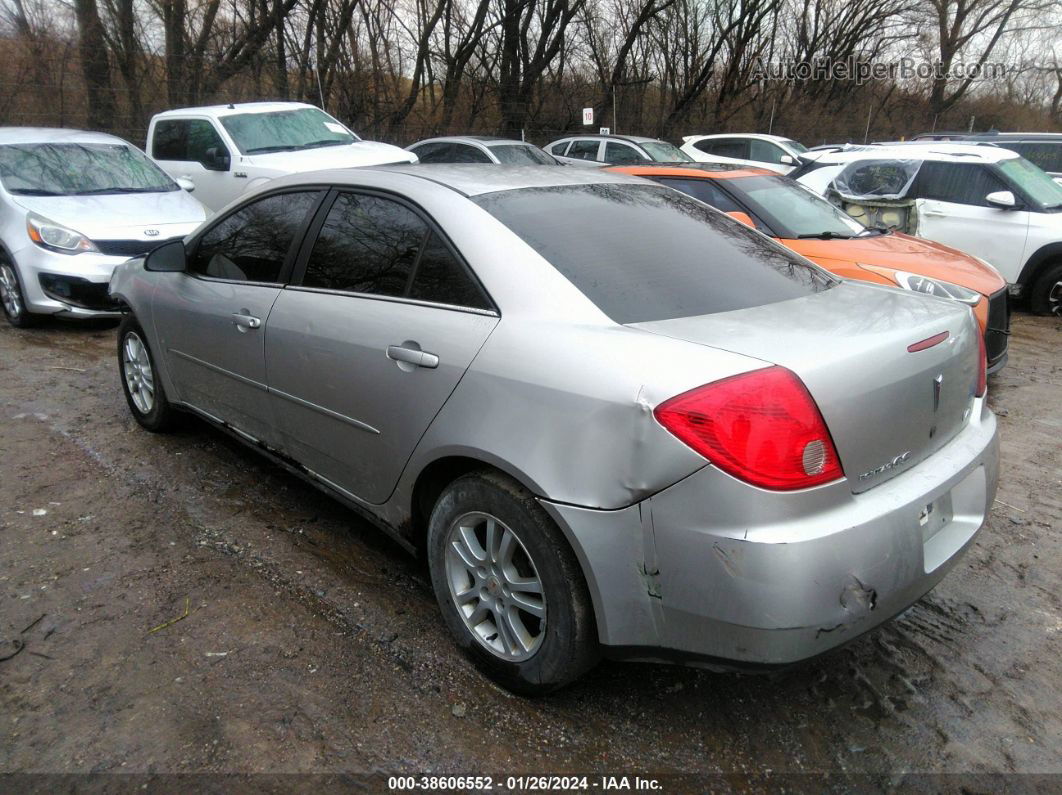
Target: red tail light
(762, 427)
(982, 364)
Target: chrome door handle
(245, 321)
(412, 356)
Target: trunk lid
(887, 408)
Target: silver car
(480, 149)
(73, 205)
(615, 421)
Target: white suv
(226, 149)
(987, 201)
(750, 149)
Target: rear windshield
(645, 252)
(519, 155)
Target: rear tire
(140, 382)
(1046, 295)
(13, 299)
(518, 607)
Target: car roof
(237, 107)
(758, 136)
(634, 139)
(696, 171)
(55, 135)
(468, 179)
(479, 139)
(1013, 136)
(915, 150)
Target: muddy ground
(312, 644)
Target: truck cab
(226, 149)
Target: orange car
(810, 225)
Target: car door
(952, 210)
(723, 150)
(621, 154)
(767, 154)
(371, 338)
(585, 149)
(211, 319)
(194, 149)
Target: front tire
(13, 298)
(509, 586)
(1046, 295)
(140, 382)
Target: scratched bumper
(714, 568)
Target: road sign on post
(588, 116)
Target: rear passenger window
(724, 147)
(961, 183)
(442, 279)
(433, 153)
(584, 150)
(252, 244)
(367, 245)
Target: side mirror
(1002, 199)
(185, 184)
(787, 160)
(167, 258)
(216, 160)
(745, 218)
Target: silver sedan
(615, 421)
(73, 205)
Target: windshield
(79, 170)
(663, 152)
(521, 155)
(1036, 182)
(286, 131)
(796, 146)
(792, 210)
(646, 252)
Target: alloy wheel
(10, 294)
(495, 586)
(1054, 299)
(139, 377)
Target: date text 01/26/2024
(524, 783)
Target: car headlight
(917, 283)
(56, 237)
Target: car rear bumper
(712, 568)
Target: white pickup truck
(226, 149)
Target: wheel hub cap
(9, 292)
(136, 369)
(495, 586)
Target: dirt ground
(311, 644)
